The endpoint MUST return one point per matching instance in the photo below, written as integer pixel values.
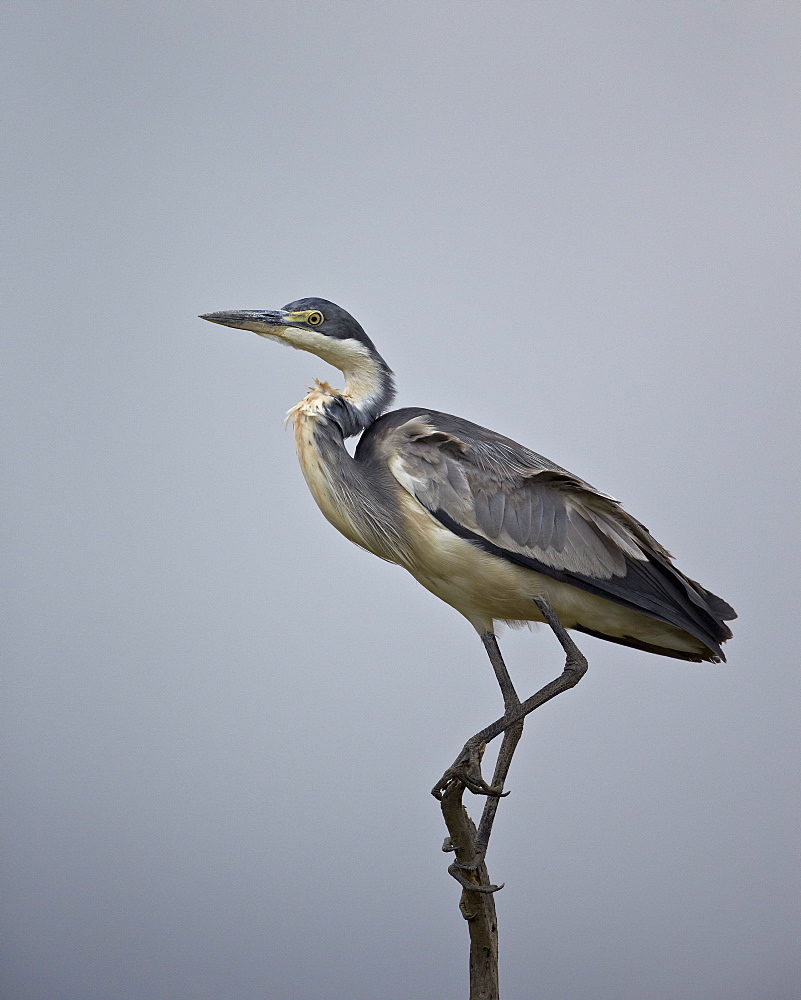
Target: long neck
(369, 390)
(358, 499)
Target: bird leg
(511, 738)
(510, 699)
(466, 768)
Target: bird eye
(314, 318)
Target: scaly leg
(467, 766)
(511, 738)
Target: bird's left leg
(574, 669)
(511, 738)
(467, 769)
(468, 869)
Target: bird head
(325, 329)
(315, 325)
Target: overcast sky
(574, 222)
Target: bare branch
(477, 904)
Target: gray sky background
(576, 223)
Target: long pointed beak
(267, 323)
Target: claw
(456, 871)
(467, 769)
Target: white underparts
(486, 588)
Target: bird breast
(340, 489)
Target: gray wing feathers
(489, 507)
(524, 508)
(514, 499)
(541, 531)
(517, 520)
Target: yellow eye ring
(314, 318)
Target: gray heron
(495, 530)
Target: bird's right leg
(466, 766)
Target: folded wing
(523, 508)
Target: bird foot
(458, 872)
(467, 770)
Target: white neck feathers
(368, 390)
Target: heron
(491, 528)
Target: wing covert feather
(513, 499)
